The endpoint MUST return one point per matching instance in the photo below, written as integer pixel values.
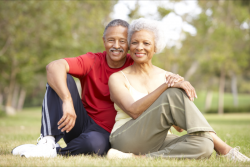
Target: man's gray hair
(150, 25)
(116, 22)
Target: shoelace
(235, 153)
(39, 138)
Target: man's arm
(57, 80)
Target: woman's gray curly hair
(150, 25)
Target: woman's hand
(187, 87)
(171, 78)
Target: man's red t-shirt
(93, 72)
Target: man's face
(115, 43)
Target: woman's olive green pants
(147, 135)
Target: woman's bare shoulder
(160, 70)
(118, 75)
(126, 70)
(115, 75)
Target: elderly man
(84, 123)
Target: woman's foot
(235, 155)
(115, 154)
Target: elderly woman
(147, 107)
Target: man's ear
(103, 39)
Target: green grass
(243, 100)
(24, 128)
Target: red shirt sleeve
(81, 65)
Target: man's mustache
(114, 49)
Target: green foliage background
(34, 33)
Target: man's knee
(97, 143)
(70, 78)
(71, 85)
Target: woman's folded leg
(195, 145)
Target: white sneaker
(115, 154)
(57, 145)
(44, 148)
(22, 148)
(235, 155)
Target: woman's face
(142, 46)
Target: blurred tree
(228, 47)
(219, 50)
(221, 45)
(36, 32)
(175, 57)
(163, 11)
(134, 12)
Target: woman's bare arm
(120, 95)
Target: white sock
(50, 138)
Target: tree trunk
(221, 92)
(234, 89)
(191, 70)
(21, 100)
(5, 47)
(1, 101)
(208, 101)
(8, 106)
(174, 68)
(15, 96)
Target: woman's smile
(140, 54)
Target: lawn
(25, 126)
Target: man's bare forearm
(57, 78)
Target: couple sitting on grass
(128, 105)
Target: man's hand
(178, 128)
(67, 122)
(171, 79)
(187, 87)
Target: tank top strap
(126, 78)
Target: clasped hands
(176, 81)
